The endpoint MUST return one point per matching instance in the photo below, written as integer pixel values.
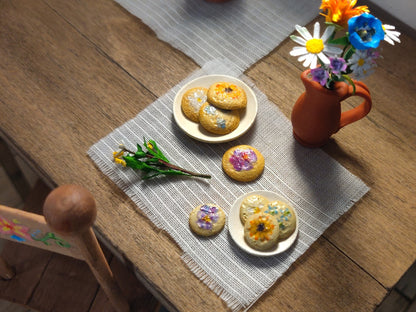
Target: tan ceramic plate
(195, 130)
(236, 228)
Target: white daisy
(362, 63)
(314, 47)
(390, 34)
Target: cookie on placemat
(227, 95)
(217, 120)
(243, 163)
(207, 220)
(192, 100)
(252, 204)
(284, 215)
(261, 231)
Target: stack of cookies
(266, 222)
(216, 108)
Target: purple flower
(207, 216)
(337, 65)
(320, 75)
(243, 159)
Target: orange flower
(340, 11)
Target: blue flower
(365, 31)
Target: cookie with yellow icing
(217, 120)
(243, 163)
(227, 95)
(207, 219)
(285, 217)
(252, 204)
(261, 231)
(192, 100)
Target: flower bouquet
(336, 64)
(350, 56)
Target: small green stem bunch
(152, 161)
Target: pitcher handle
(359, 111)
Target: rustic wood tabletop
(72, 71)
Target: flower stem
(174, 167)
(171, 166)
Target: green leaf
(350, 81)
(337, 27)
(350, 52)
(139, 149)
(139, 155)
(154, 150)
(132, 162)
(340, 41)
(156, 173)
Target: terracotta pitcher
(317, 115)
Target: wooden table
(72, 71)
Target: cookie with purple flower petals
(243, 163)
(207, 219)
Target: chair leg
(6, 271)
(98, 264)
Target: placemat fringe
(231, 302)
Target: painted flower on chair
(14, 230)
(352, 54)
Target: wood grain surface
(72, 71)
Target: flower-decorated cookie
(227, 95)
(217, 120)
(261, 231)
(252, 204)
(285, 216)
(192, 100)
(207, 220)
(243, 163)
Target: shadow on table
(324, 179)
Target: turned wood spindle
(70, 210)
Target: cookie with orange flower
(207, 219)
(227, 95)
(261, 231)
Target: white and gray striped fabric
(242, 31)
(320, 189)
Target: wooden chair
(69, 212)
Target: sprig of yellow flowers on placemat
(151, 162)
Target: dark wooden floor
(50, 282)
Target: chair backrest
(66, 228)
